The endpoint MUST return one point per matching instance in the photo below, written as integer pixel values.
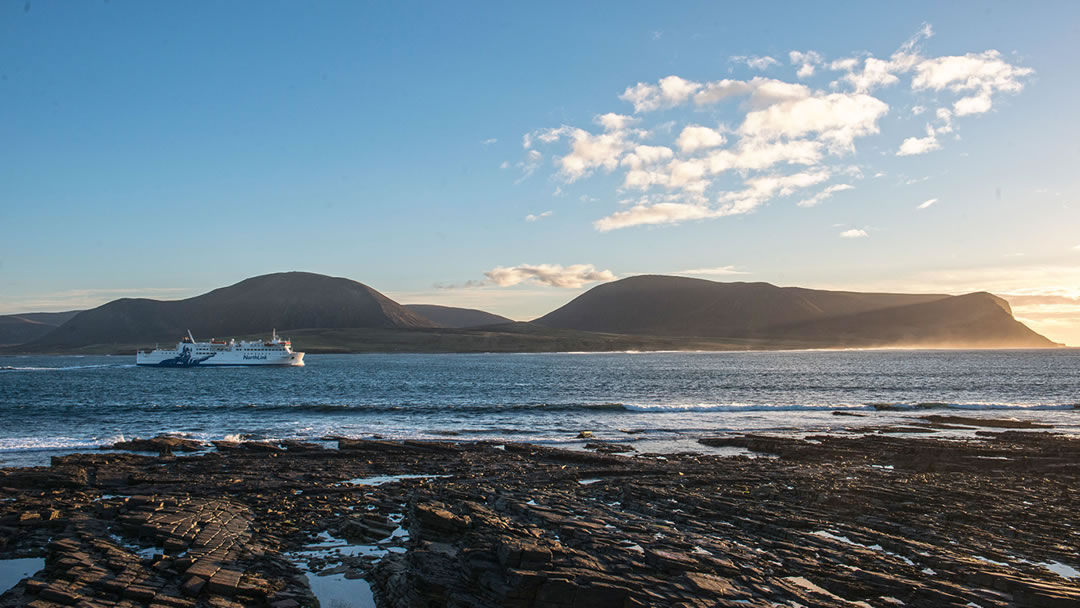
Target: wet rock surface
(873, 519)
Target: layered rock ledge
(877, 520)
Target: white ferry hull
(189, 353)
(172, 359)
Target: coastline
(523, 337)
(822, 521)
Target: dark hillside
(284, 301)
(449, 316)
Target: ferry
(189, 353)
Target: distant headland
(325, 314)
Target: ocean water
(658, 401)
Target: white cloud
(854, 233)
(882, 72)
(647, 155)
(755, 62)
(488, 142)
(759, 153)
(837, 119)
(815, 200)
(715, 271)
(973, 71)
(715, 92)
(673, 91)
(975, 104)
(945, 116)
(927, 203)
(670, 91)
(694, 175)
(807, 62)
(789, 137)
(760, 190)
(983, 74)
(538, 216)
(590, 151)
(552, 275)
(767, 91)
(615, 122)
(659, 213)
(696, 137)
(844, 65)
(875, 73)
(919, 145)
(504, 165)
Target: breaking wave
(614, 407)
(66, 368)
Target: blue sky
(164, 150)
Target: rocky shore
(878, 519)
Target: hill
(975, 320)
(449, 316)
(679, 306)
(327, 314)
(288, 300)
(25, 327)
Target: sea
(657, 402)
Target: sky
(509, 157)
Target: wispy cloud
(659, 213)
(854, 233)
(715, 271)
(551, 275)
(815, 200)
(927, 203)
(755, 62)
(539, 216)
(489, 141)
(529, 165)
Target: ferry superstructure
(189, 353)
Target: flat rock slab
(872, 519)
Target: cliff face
(677, 306)
(289, 300)
(975, 320)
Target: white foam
(33, 368)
